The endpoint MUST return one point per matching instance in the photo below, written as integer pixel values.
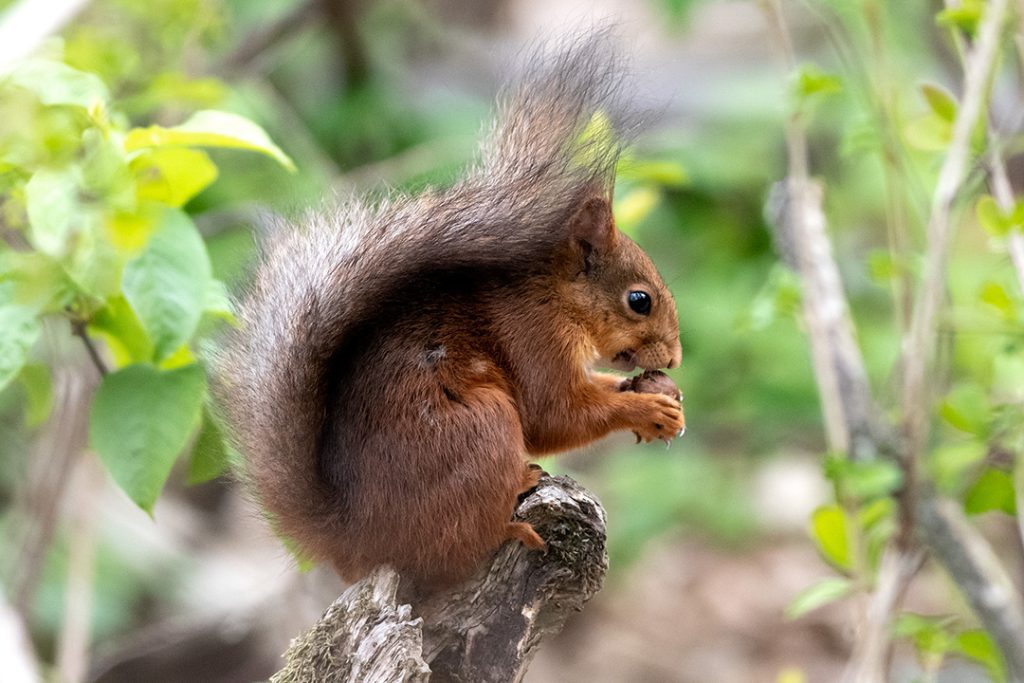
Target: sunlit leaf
(940, 101)
(57, 83)
(810, 80)
(120, 328)
(36, 280)
(830, 532)
(129, 232)
(141, 419)
(996, 296)
(172, 175)
(976, 644)
(209, 128)
(661, 173)
(930, 133)
(965, 16)
(990, 217)
(632, 209)
(992, 492)
(967, 408)
(817, 595)
(166, 283)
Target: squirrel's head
(618, 295)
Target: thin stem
(919, 348)
(79, 329)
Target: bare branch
(801, 234)
(871, 652)
(970, 561)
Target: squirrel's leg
(531, 477)
(525, 534)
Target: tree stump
(486, 629)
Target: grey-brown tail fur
(556, 141)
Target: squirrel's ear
(593, 224)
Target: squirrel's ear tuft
(593, 224)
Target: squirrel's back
(324, 286)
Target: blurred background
(708, 539)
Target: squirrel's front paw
(659, 417)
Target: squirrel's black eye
(640, 302)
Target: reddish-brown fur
(388, 383)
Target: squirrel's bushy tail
(555, 143)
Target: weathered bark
(487, 629)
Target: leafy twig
(919, 348)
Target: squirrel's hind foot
(525, 534)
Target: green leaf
(166, 283)
(57, 83)
(104, 171)
(632, 209)
(120, 328)
(1008, 378)
(37, 280)
(940, 101)
(218, 302)
(19, 330)
(964, 16)
(141, 419)
(967, 408)
(172, 175)
(950, 464)
(810, 80)
(930, 133)
(54, 209)
(94, 266)
(992, 492)
(211, 455)
(996, 296)
(209, 128)
(871, 479)
(990, 217)
(976, 644)
(930, 635)
(817, 595)
(659, 172)
(35, 378)
(829, 531)
(997, 221)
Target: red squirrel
(397, 362)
